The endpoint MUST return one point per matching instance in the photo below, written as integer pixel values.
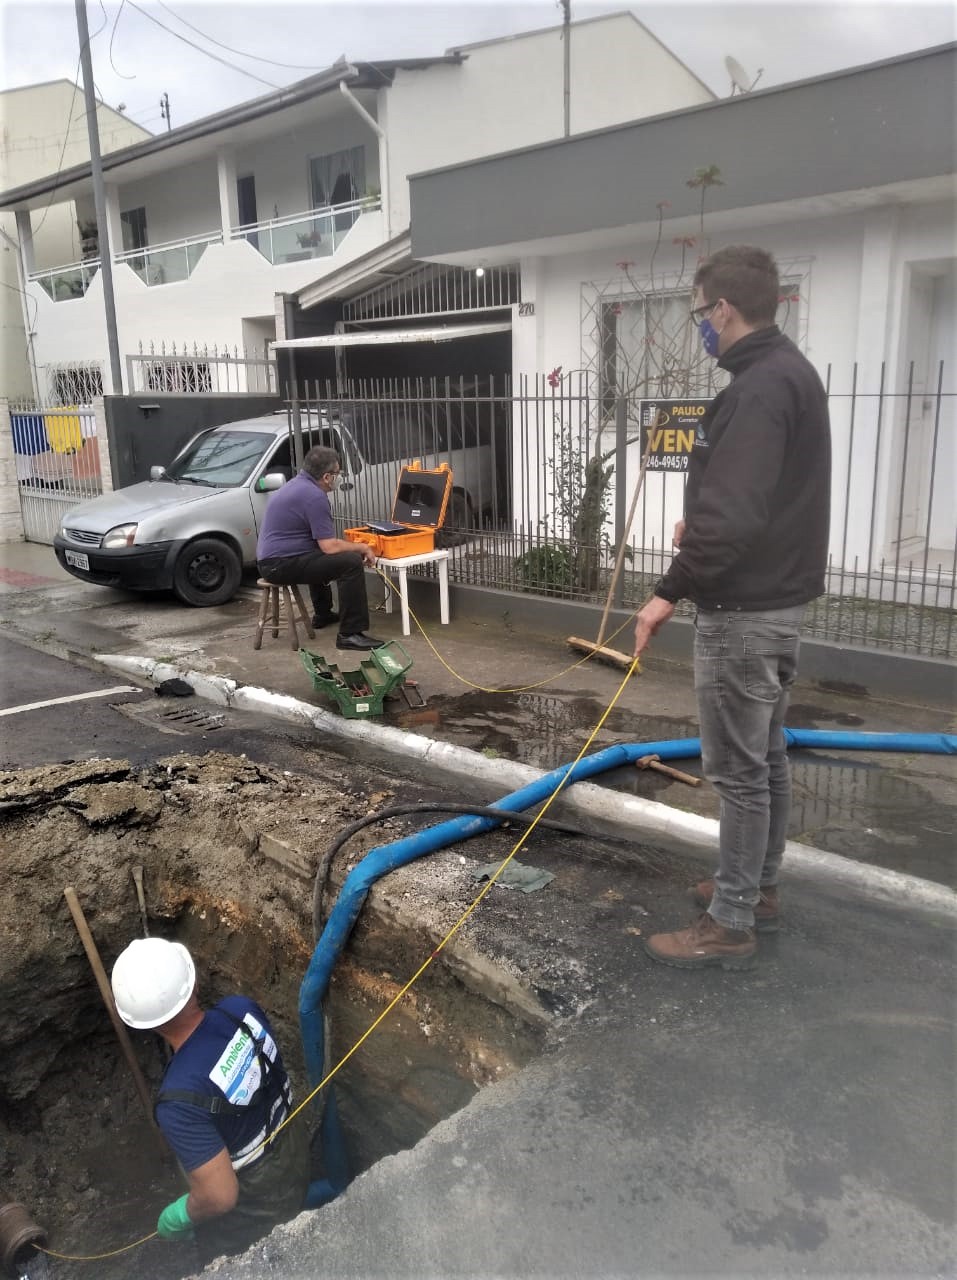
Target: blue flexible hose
(385, 858)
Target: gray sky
(136, 61)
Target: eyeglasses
(699, 313)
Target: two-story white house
(207, 224)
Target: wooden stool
(270, 606)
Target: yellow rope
(468, 911)
(422, 968)
(521, 688)
(93, 1257)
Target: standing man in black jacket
(752, 551)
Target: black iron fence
(546, 489)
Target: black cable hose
(401, 810)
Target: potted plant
(309, 239)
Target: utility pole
(164, 110)
(567, 37)
(99, 199)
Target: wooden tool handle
(677, 774)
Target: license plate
(78, 560)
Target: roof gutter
(383, 151)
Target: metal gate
(58, 465)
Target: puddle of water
(869, 812)
(546, 730)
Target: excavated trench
(228, 850)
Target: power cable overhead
(290, 66)
(216, 58)
(69, 121)
(116, 23)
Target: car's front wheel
(208, 572)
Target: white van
(192, 527)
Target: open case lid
(421, 496)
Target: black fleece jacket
(757, 502)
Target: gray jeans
(744, 666)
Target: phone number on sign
(668, 462)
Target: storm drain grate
(178, 719)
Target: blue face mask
(709, 337)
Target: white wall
(855, 267)
(510, 93)
(180, 202)
(281, 165)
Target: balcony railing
(169, 262)
(63, 283)
(317, 233)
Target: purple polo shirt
(297, 516)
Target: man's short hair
(319, 461)
(744, 276)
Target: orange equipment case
(421, 499)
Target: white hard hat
(152, 981)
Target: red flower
(689, 242)
(663, 204)
(624, 264)
(555, 377)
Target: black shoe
(326, 620)
(358, 641)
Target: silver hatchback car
(192, 527)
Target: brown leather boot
(703, 944)
(765, 911)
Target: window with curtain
(337, 178)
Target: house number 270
(526, 308)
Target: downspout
(383, 153)
(24, 299)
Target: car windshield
(221, 458)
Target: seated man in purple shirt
(298, 543)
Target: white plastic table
(401, 567)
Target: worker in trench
(223, 1096)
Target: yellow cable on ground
(521, 688)
(93, 1257)
(68, 1257)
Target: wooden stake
(596, 647)
(106, 992)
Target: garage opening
(227, 850)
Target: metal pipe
(106, 993)
(18, 1232)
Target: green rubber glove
(174, 1221)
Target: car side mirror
(157, 473)
(270, 481)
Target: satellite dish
(741, 82)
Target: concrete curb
(598, 808)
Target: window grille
(187, 377)
(75, 383)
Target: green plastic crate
(359, 693)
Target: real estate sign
(671, 426)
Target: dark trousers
(270, 1191)
(317, 570)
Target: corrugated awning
(382, 337)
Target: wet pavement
(888, 809)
